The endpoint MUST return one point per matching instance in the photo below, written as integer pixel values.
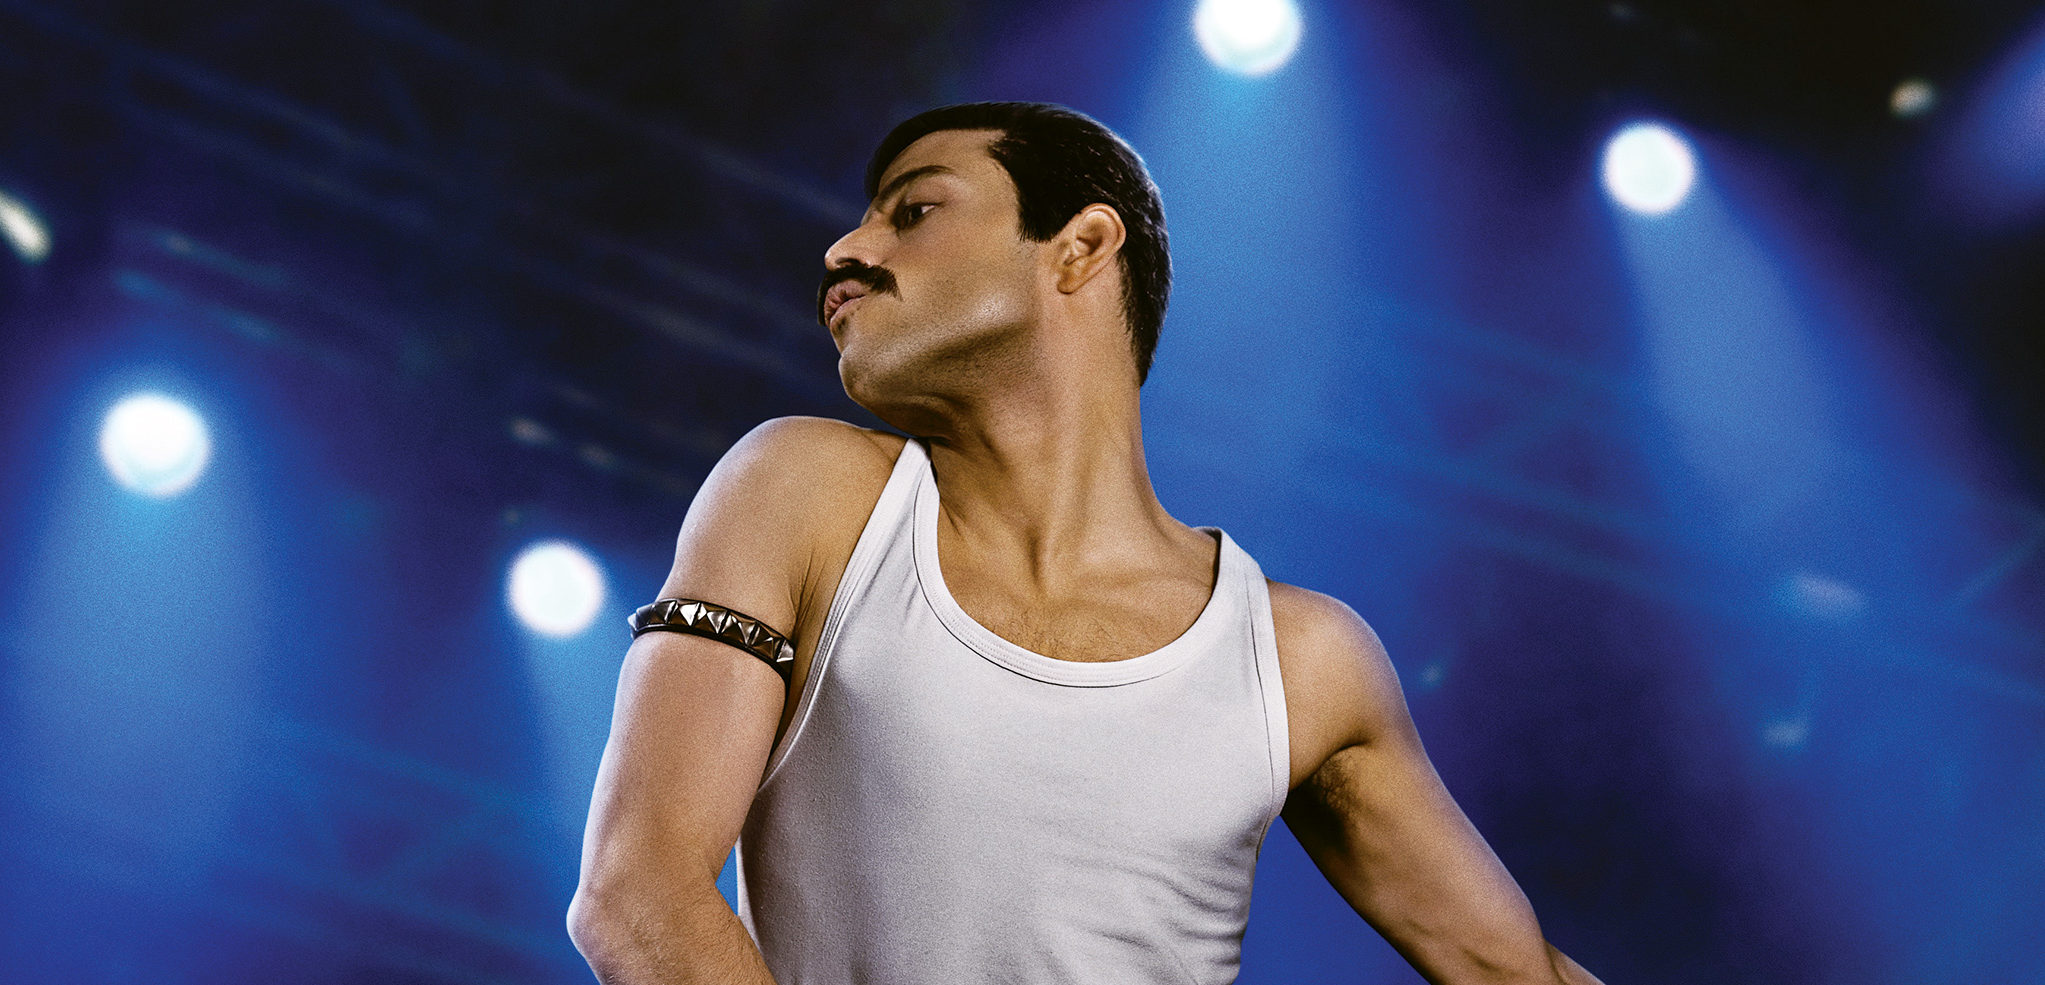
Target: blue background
(1709, 547)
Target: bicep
(690, 735)
(1377, 820)
(695, 719)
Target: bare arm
(689, 740)
(693, 727)
(1376, 819)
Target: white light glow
(154, 445)
(555, 588)
(1913, 98)
(23, 230)
(1247, 37)
(1649, 169)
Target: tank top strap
(1270, 684)
(892, 511)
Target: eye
(910, 213)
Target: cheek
(996, 290)
(998, 301)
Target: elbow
(593, 927)
(1568, 972)
(626, 930)
(1509, 965)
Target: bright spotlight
(154, 445)
(1912, 98)
(23, 230)
(1247, 37)
(1648, 168)
(555, 588)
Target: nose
(857, 246)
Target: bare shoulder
(1322, 642)
(1340, 687)
(797, 469)
(789, 451)
(774, 508)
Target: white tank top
(948, 807)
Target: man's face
(933, 287)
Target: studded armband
(708, 619)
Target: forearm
(1569, 972)
(687, 939)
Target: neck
(1049, 473)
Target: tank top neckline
(1029, 663)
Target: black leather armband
(708, 619)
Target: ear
(1087, 245)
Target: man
(1033, 728)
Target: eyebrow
(910, 175)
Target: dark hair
(1061, 162)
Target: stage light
(154, 445)
(1912, 98)
(555, 588)
(1648, 168)
(1247, 37)
(24, 231)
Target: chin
(869, 386)
(896, 390)
(909, 373)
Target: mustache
(878, 280)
